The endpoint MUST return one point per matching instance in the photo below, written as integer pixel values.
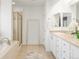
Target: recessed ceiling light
(13, 3)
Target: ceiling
(29, 2)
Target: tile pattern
(26, 51)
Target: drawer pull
(64, 51)
(64, 44)
(63, 58)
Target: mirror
(57, 20)
(63, 19)
(77, 12)
(66, 19)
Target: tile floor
(28, 50)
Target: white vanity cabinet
(74, 52)
(61, 47)
(50, 44)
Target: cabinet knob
(63, 58)
(64, 44)
(64, 51)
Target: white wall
(6, 18)
(32, 12)
(17, 8)
(62, 6)
(0, 16)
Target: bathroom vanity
(60, 41)
(63, 45)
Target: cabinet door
(74, 52)
(58, 48)
(54, 45)
(47, 44)
(65, 50)
(51, 43)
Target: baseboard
(33, 44)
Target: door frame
(21, 26)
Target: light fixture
(13, 3)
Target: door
(14, 26)
(17, 27)
(33, 32)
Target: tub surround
(6, 51)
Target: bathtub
(9, 51)
(3, 49)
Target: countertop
(67, 37)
